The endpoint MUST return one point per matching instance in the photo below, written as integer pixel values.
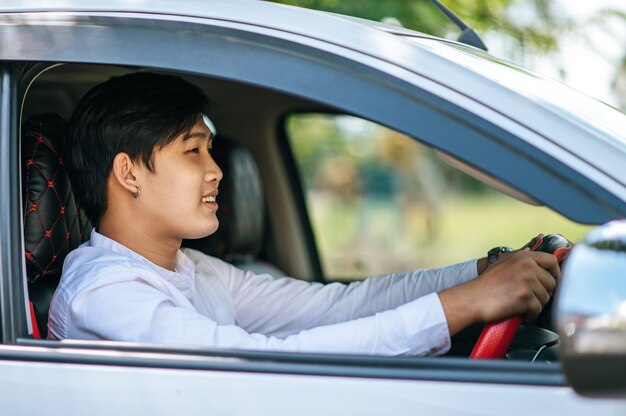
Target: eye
(194, 150)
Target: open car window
(381, 202)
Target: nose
(213, 173)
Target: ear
(124, 172)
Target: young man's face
(178, 199)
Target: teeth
(209, 198)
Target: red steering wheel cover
(496, 338)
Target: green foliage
(531, 24)
(525, 27)
(606, 20)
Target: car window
(380, 201)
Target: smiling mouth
(207, 199)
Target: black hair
(137, 114)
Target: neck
(156, 249)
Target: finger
(546, 280)
(547, 262)
(534, 309)
(541, 292)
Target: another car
(271, 70)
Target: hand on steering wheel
(496, 338)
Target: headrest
(53, 222)
(241, 210)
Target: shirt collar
(183, 266)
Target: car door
(107, 377)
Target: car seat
(54, 224)
(240, 236)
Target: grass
(359, 239)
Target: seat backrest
(54, 224)
(239, 238)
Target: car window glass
(381, 202)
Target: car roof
(278, 16)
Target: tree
(603, 20)
(523, 29)
(528, 24)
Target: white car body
(553, 152)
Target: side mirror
(591, 313)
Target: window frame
(14, 310)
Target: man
(139, 153)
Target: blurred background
(381, 202)
(582, 43)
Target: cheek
(177, 190)
(180, 188)
(176, 185)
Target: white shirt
(109, 292)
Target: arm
(285, 306)
(135, 311)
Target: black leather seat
(53, 222)
(240, 236)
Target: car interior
(264, 225)
(54, 225)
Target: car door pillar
(13, 322)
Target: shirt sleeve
(143, 313)
(284, 306)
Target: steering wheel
(496, 338)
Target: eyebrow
(198, 134)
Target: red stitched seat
(53, 223)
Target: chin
(201, 233)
